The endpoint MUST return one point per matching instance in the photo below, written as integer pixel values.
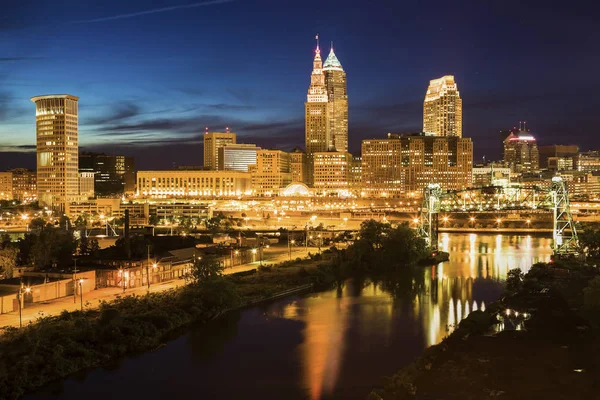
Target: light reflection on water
(335, 344)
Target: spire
(332, 62)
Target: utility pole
(147, 268)
(75, 282)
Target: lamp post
(20, 299)
(75, 282)
(81, 292)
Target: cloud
(230, 107)
(26, 148)
(154, 11)
(118, 112)
(10, 59)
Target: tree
(8, 261)
(514, 280)
(373, 232)
(82, 221)
(84, 248)
(153, 220)
(205, 268)
(94, 247)
(589, 240)
(37, 224)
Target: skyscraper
(316, 114)
(113, 175)
(521, 152)
(212, 142)
(442, 108)
(335, 82)
(57, 149)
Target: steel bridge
(554, 198)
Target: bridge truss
(554, 198)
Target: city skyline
(147, 96)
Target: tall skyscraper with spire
(335, 82)
(317, 127)
(442, 108)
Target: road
(272, 255)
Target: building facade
(337, 95)
(57, 149)
(193, 184)
(271, 173)
(6, 186)
(86, 185)
(332, 173)
(299, 166)
(588, 161)
(442, 108)
(113, 175)
(521, 152)
(402, 164)
(212, 142)
(237, 157)
(317, 135)
(490, 175)
(24, 184)
(556, 151)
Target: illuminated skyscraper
(335, 81)
(212, 142)
(521, 151)
(57, 149)
(316, 114)
(442, 108)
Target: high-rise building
(588, 161)
(355, 179)
(335, 82)
(113, 175)
(6, 186)
(407, 163)
(442, 108)
(86, 185)
(299, 166)
(332, 172)
(559, 154)
(271, 172)
(212, 142)
(237, 157)
(316, 114)
(24, 184)
(521, 152)
(57, 149)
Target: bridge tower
(564, 233)
(428, 218)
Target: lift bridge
(489, 198)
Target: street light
(81, 292)
(20, 299)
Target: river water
(335, 344)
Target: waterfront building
(442, 108)
(24, 184)
(212, 142)
(337, 97)
(521, 152)
(332, 173)
(57, 149)
(317, 126)
(6, 186)
(237, 157)
(271, 173)
(405, 163)
(298, 166)
(113, 175)
(193, 183)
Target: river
(335, 344)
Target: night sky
(151, 75)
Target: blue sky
(151, 75)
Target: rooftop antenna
(227, 129)
(524, 125)
(317, 38)
(206, 130)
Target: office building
(271, 173)
(113, 175)
(588, 161)
(6, 186)
(337, 96)
(24, 184)
(559, 155)
(442, 108)
(406, 163)
(316, 114)
(332, 173)
(237, 157)
(193, 184)
(57, 149)
(299, 166)
(86, 185)
(355, 178)
(490, 175)
(212, 142)
(521, 152)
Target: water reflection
(335, 344)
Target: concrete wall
(8, 303)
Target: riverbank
(541, 340)
(58, 346)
